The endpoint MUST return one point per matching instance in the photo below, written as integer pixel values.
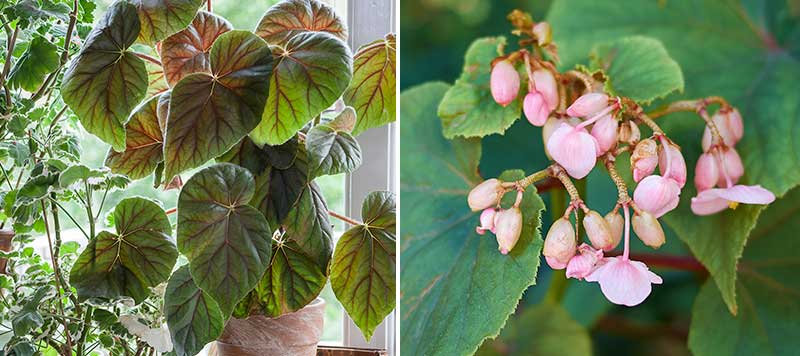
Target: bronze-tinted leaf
(161, 18)
(372, 91)
(288, 18)
(210, 113)
(187, 51)
(144, 140)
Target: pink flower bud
(504, 82)
(598, 230)
(574, 149)
(582, 264)
(644, 159)
(677, 169)
(706, 173)
(617, 224)
(735, 124)
(657, 195)
(588, 104)
(543, 33)
(485, 195)
(730, 126)
(730, 165)
(648, 229)
(560, 244)
(535, 108)
(605, 132)
(629, 132)
(545, 83)
(487, 221)
(507, 228)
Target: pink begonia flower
(487, 221)
(730, 126)
(657, 195)
(644, 159)
(559, 244)
(730, 166)
(605, 132)
(574, 149)
(535, 109)
(583, 263)
(485, 195)
(507, 228)
(504, 82)
(706, 172)
(671, 163)
(588, 105)
(623, 281)
(712, 201)
(545, 83)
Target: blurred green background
(435, 34)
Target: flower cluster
(581, 126)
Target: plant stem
(525, 182)
(10, 44)
(89, 214)
(622, 189)
(59, 284)
(87, 322)
(346, 219)
(70, 217)
(688, 105)
(5, 175)
(562, 176)
(171, 211)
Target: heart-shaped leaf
(468, 109)
(105, 81)
(187, 52)
(143, 142)
(193, 317)
(638, 67)
(752, 75)
(331, 151)
(161, 18)
(372, 91)
(308, 224)
(767, 291)
(289, 18)
(363, 270)
(226, 241)
(38, 60)
(459, 288)
(210, 113)
(138, 257)
(312, 70)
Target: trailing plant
(601, 99)
(173, 88)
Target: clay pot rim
(314, 304)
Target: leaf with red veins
(156, 81)
(372, 91)
(210, 113)
(143, 142)
(187, 51)
(106, 81)
(289, 18)
(161, 18)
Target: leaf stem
(346, 219)
(59, 282)
(147, 58)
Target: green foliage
(363, 273)
(331, 151)
(194, 318)
(39, 60)
(187, 52)
(459, 290)
(288, 19)
(162, 18)
(468, 109)
(143, 143)
(371, 92)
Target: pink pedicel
(507, 228)
(504, 82)
(644, 159)
(671, 163)
(605, 131)
(714, 200)
(574, 149)
(535, 109)
(588, 105)
(706, 172)
(487, 221)
(583, 263)
(657, 195)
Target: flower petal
(748, 194)
(708, 202)
(573, 149)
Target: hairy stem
(622, 189)
(527, 181)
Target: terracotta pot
(5, 245)
(297, 334)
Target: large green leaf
(308, 224)
(38, 60)
(106, 81)
(459, 290)
(210, 113)
(752, 74)
(277, 190)
(372, 91)
(161, 18)
(468, 108)
(156, 80)
(138, 257)
(542, 330)
(312, 70)
(768, 293)
(363, 270)
(638, 67)
(187, 52)
(292, 17)
(331, 151)
(193, 317)
(144, 143)
(226, 241)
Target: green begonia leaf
(161, 18)
(144, 143)
(331, 151)
(292, 17)
(187, 52)
(193, 317)
(372, 91)
(308, 224)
